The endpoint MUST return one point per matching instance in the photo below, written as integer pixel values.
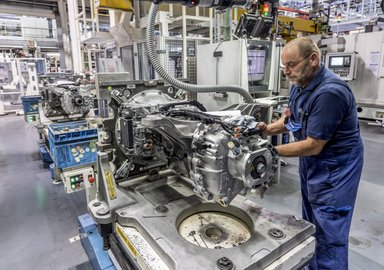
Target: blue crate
(73, 154)
(72, 144)
(31, 104)
(71, 131)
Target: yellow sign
(125, 5)
(111, 186)
(126, 241)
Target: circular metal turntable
(214, 230)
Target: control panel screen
(256, 64)
(340, 61)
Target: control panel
(75, 180)
(32, 118)
(342, 64)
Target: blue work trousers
(329, 187)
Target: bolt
(161, 209)
(260, 167)
(276, 233)
(102, 211)
(224, 264)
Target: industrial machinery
(304, 23)
(290, 27)
(80, 178)
(165, 160)
(192, 143)
(67, 101)
(54, 78)
(65, 135)
(362, 52)
(270, 18)
(72, 147)
(63, 98)
(31, 108)
(218, 4)
(343, 64)
(18, 78)
(252, 64)
(172, 178)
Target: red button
(91, 179)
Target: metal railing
(27, 32)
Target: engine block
(222, 156)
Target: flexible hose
(173, 81)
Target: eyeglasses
(291, 65)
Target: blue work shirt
(326, 109)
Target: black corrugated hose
(173, 81)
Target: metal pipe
(294, 10)
(133, 181)
(185, 47)
(348, 7)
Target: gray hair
(305, 45)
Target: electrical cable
(173, 81)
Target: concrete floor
(37, 218)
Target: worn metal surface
(160, 230)
(214, 230)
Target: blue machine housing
(93, 244)
(31, 104)
(44, 154)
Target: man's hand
(273, 128)
(263, 127)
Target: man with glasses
(322, 116)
